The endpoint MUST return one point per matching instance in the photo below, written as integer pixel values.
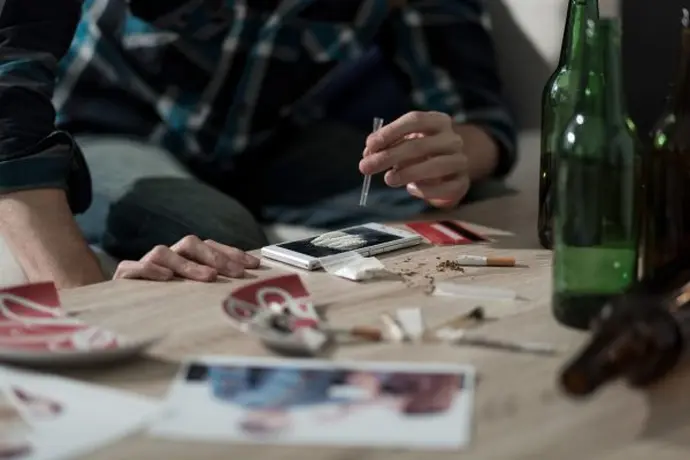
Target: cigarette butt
(371, 334)
(483, 261)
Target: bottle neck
(610, 42)
(680, 101)
(573, 43)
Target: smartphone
(367, 240)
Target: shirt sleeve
(445, 49)
(34, 36)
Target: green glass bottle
(666, 217)
(596, 224)
(558, 105)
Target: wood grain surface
(519, 414)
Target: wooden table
(518, 414)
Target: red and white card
(446, 232)
(31, 318)
(34, 328)
(278, 293)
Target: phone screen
(341, 241)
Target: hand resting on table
(189, 258)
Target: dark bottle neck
(573, 43)
(680, 100)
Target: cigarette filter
(483, 261)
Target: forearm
(40, 168)
(42, 234)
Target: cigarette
(482, 261)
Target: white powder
(339, 240)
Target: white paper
(353, 266)
(264, 400)
(69, 418)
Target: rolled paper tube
(484, 261)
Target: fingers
(193, 249)
(130, 269)
(441, 194)
(166, 257)
(247, 260)
(409, 151)
(433, 168)
(412, 122)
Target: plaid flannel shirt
(210, 80)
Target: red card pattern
(286, 291)
(31, 319)
(444, 233)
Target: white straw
(378, 123)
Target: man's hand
(189, 258)
(421, 151)
(40, 230)
(432, 156)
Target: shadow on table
(145, 369)
(669, 410)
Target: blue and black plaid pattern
(211, 80)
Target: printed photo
(319, 402)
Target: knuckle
(189, 242)
(417, 116)
(157, 253)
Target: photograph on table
(266, 400)
(44, 417)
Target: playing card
(34, 327)
(263, 400)
(279, 293)
(446, 232)
(57, 418)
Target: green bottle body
(596, 224)
(558, 105)
(666, 215)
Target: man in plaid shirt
(206, 117)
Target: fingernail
(251, 260)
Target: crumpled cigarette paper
(353, 266)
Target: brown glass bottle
(640, 335)
(666, 206)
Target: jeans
(143, 196)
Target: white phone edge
(296, 259)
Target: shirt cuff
(55, 162)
